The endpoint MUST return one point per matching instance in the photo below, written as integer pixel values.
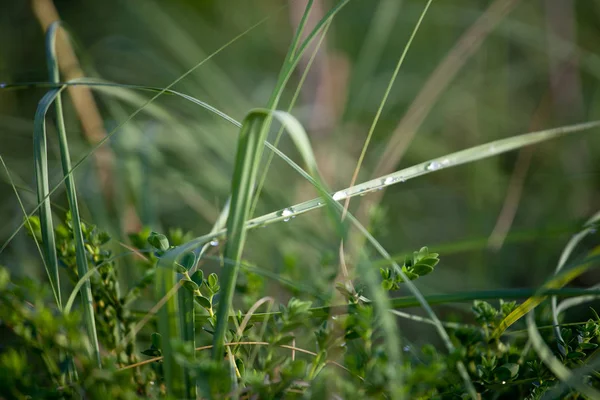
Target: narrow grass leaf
(81, 258)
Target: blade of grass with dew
(573, 242)
(81, 258)
(377, 290)
(454, 159)
(556, 282)
(244, 176)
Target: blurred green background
(537, 68)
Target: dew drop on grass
(214, 242)
(388, 181)
(288, 212)
(337, 196)
(2, 85)
(406, 348)
(434, 165)
(504, 382)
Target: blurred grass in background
(538, 68)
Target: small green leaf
(179, 268)
(507, 371)
(212, 280)
(203, 301)
(158, 241)
(387, 284)
(190, 285)
(188, 260)
(422, 269)
(198, 277)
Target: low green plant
(294, 352)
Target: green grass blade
(387, 91)
(557, 282)
(176, 318)
(554, 364)
(81, 258)
(265, 172)
(22, 206)
(40, 157)
(136, 112)
(573, 242)
(444, 299)
(244, 177)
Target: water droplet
(434, 165)
(2, 85)
(152, 382)
(319, 203)
(214, 242)
(337, 196)
(402, 180)
(288, 212)
(406, 348)
(389, 180)
(492, 149)
(504, 382)
(445, 162)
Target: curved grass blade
(137, 111)
(40, 158)
(557, 368)
(557, 282)
(573, 242)
(81, 258)
(247, 162)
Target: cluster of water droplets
(288, 213)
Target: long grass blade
(556, 282)
(81, 258)
(40, 158)
(573, 242)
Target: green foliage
(421, 263)
(289, 353)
